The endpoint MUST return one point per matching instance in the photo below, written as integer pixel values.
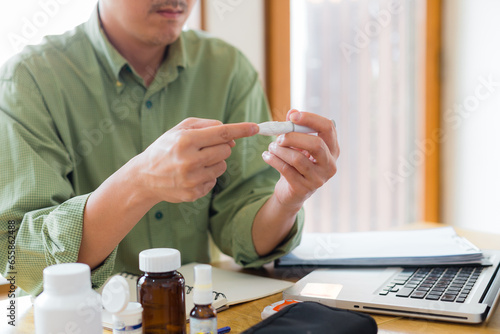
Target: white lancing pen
(279, 128)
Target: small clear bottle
(161, 292)
(203, 316)
(68, 304)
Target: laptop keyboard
(450, 284)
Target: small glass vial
(68, 304)
(161, 292)
(203, 316)
(126, 315)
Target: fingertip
(291, 111)
(295, 116)
(255, 129)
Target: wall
(471, 120)
(26, 22)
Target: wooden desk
(243, 316)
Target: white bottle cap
(159, 260)
(66, 277)
(202, 294)
(116, 295)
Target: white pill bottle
(68, 304)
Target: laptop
(464, 294)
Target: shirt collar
(112, 60)
(115, 62)
(175, 61)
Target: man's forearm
(112, 210)
(272, 224)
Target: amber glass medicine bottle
(161, 292)
(203, 317)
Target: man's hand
(184, 163)
(304, 161)
(181, 165)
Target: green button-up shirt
(72, 112)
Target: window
(360, 62)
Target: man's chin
(165, 39)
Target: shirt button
(159, 215)
(149, 104)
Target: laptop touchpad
(324, 290)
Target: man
(120, 136)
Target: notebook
(465, 294)
(383, 248)
(229, 288)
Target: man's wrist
(134, 181)
(287, 208)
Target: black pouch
(315, 318)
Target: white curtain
(360, 62)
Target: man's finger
(326, 128)
(197, 123)
(225, 133)
(214, 154)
